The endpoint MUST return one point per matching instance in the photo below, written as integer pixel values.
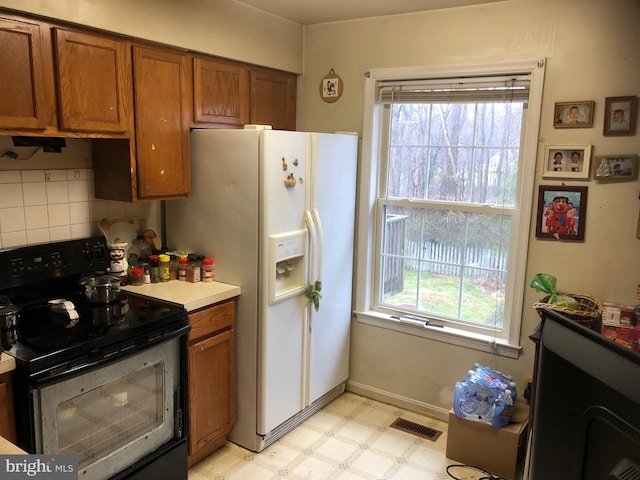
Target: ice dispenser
(287, 265)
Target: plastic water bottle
(503, 410)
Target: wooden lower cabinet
(7, 419)
(211, 379)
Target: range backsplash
(38, 206)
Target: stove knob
(87, 253)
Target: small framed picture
(562, 212)
(573, 114)
(617, 168)
(567, 161)
(620, 115)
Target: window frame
(369, 215)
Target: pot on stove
(9, 315)
(101, 289)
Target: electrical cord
(14, 155)
(488, 475)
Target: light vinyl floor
(349, 439)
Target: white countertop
(191, 296)
(7, 363)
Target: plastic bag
(543, 282)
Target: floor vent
(416, 429)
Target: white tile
(29, 176)
(57, 234)
(36, 217)
(57, 192)
(14, 239)
(82, 230)
(99, 210)
(79, 212)
(10, 176)
(12, 220)
(34, 193)
(78, 190)
(11, 195)
(59, 215)
(39, 235)
(55, 175)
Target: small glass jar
(173, 267)
(193, 271)
(207, 270)
(146, 275)
(163, 263)
(136, 276)
(182, 269)
(154, 269)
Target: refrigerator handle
(312, 234)
(318, 223)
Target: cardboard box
(499, 451)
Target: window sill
(445, 334)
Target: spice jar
(193, 268)
(154, 269)
(182, 269)
(147, 272)
(207, 270)
(165, 273)
(173, 267)
(136, 276)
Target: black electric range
(48, 343)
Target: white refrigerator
(276, 210)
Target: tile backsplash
(39, 206)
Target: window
(447, 199)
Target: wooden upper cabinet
(24, 102)
(92, 79)
(220, 92)
(273, 99)
(162, 105)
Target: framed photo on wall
(573, 114)
(567, 161)
(562, 212)
(616, 168)
(620, 115)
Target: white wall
(592, 52)
(219, 27)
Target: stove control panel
(53, 260)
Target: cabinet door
(22, 77)
(273, 99)
(92, 80)
(211, 387)
(220, 92)
(162, 93)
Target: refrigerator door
(332, 204)
(282, 326)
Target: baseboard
(400, 401)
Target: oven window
(104, 419)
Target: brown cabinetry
(156, 164)
(220, 93)
(273, 99)
(7, 419)
(25, 103)
(93, 79)
(211, 378)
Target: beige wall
(592, 52)
(219, 27)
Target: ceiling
(308, 12)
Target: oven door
(112, 416)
